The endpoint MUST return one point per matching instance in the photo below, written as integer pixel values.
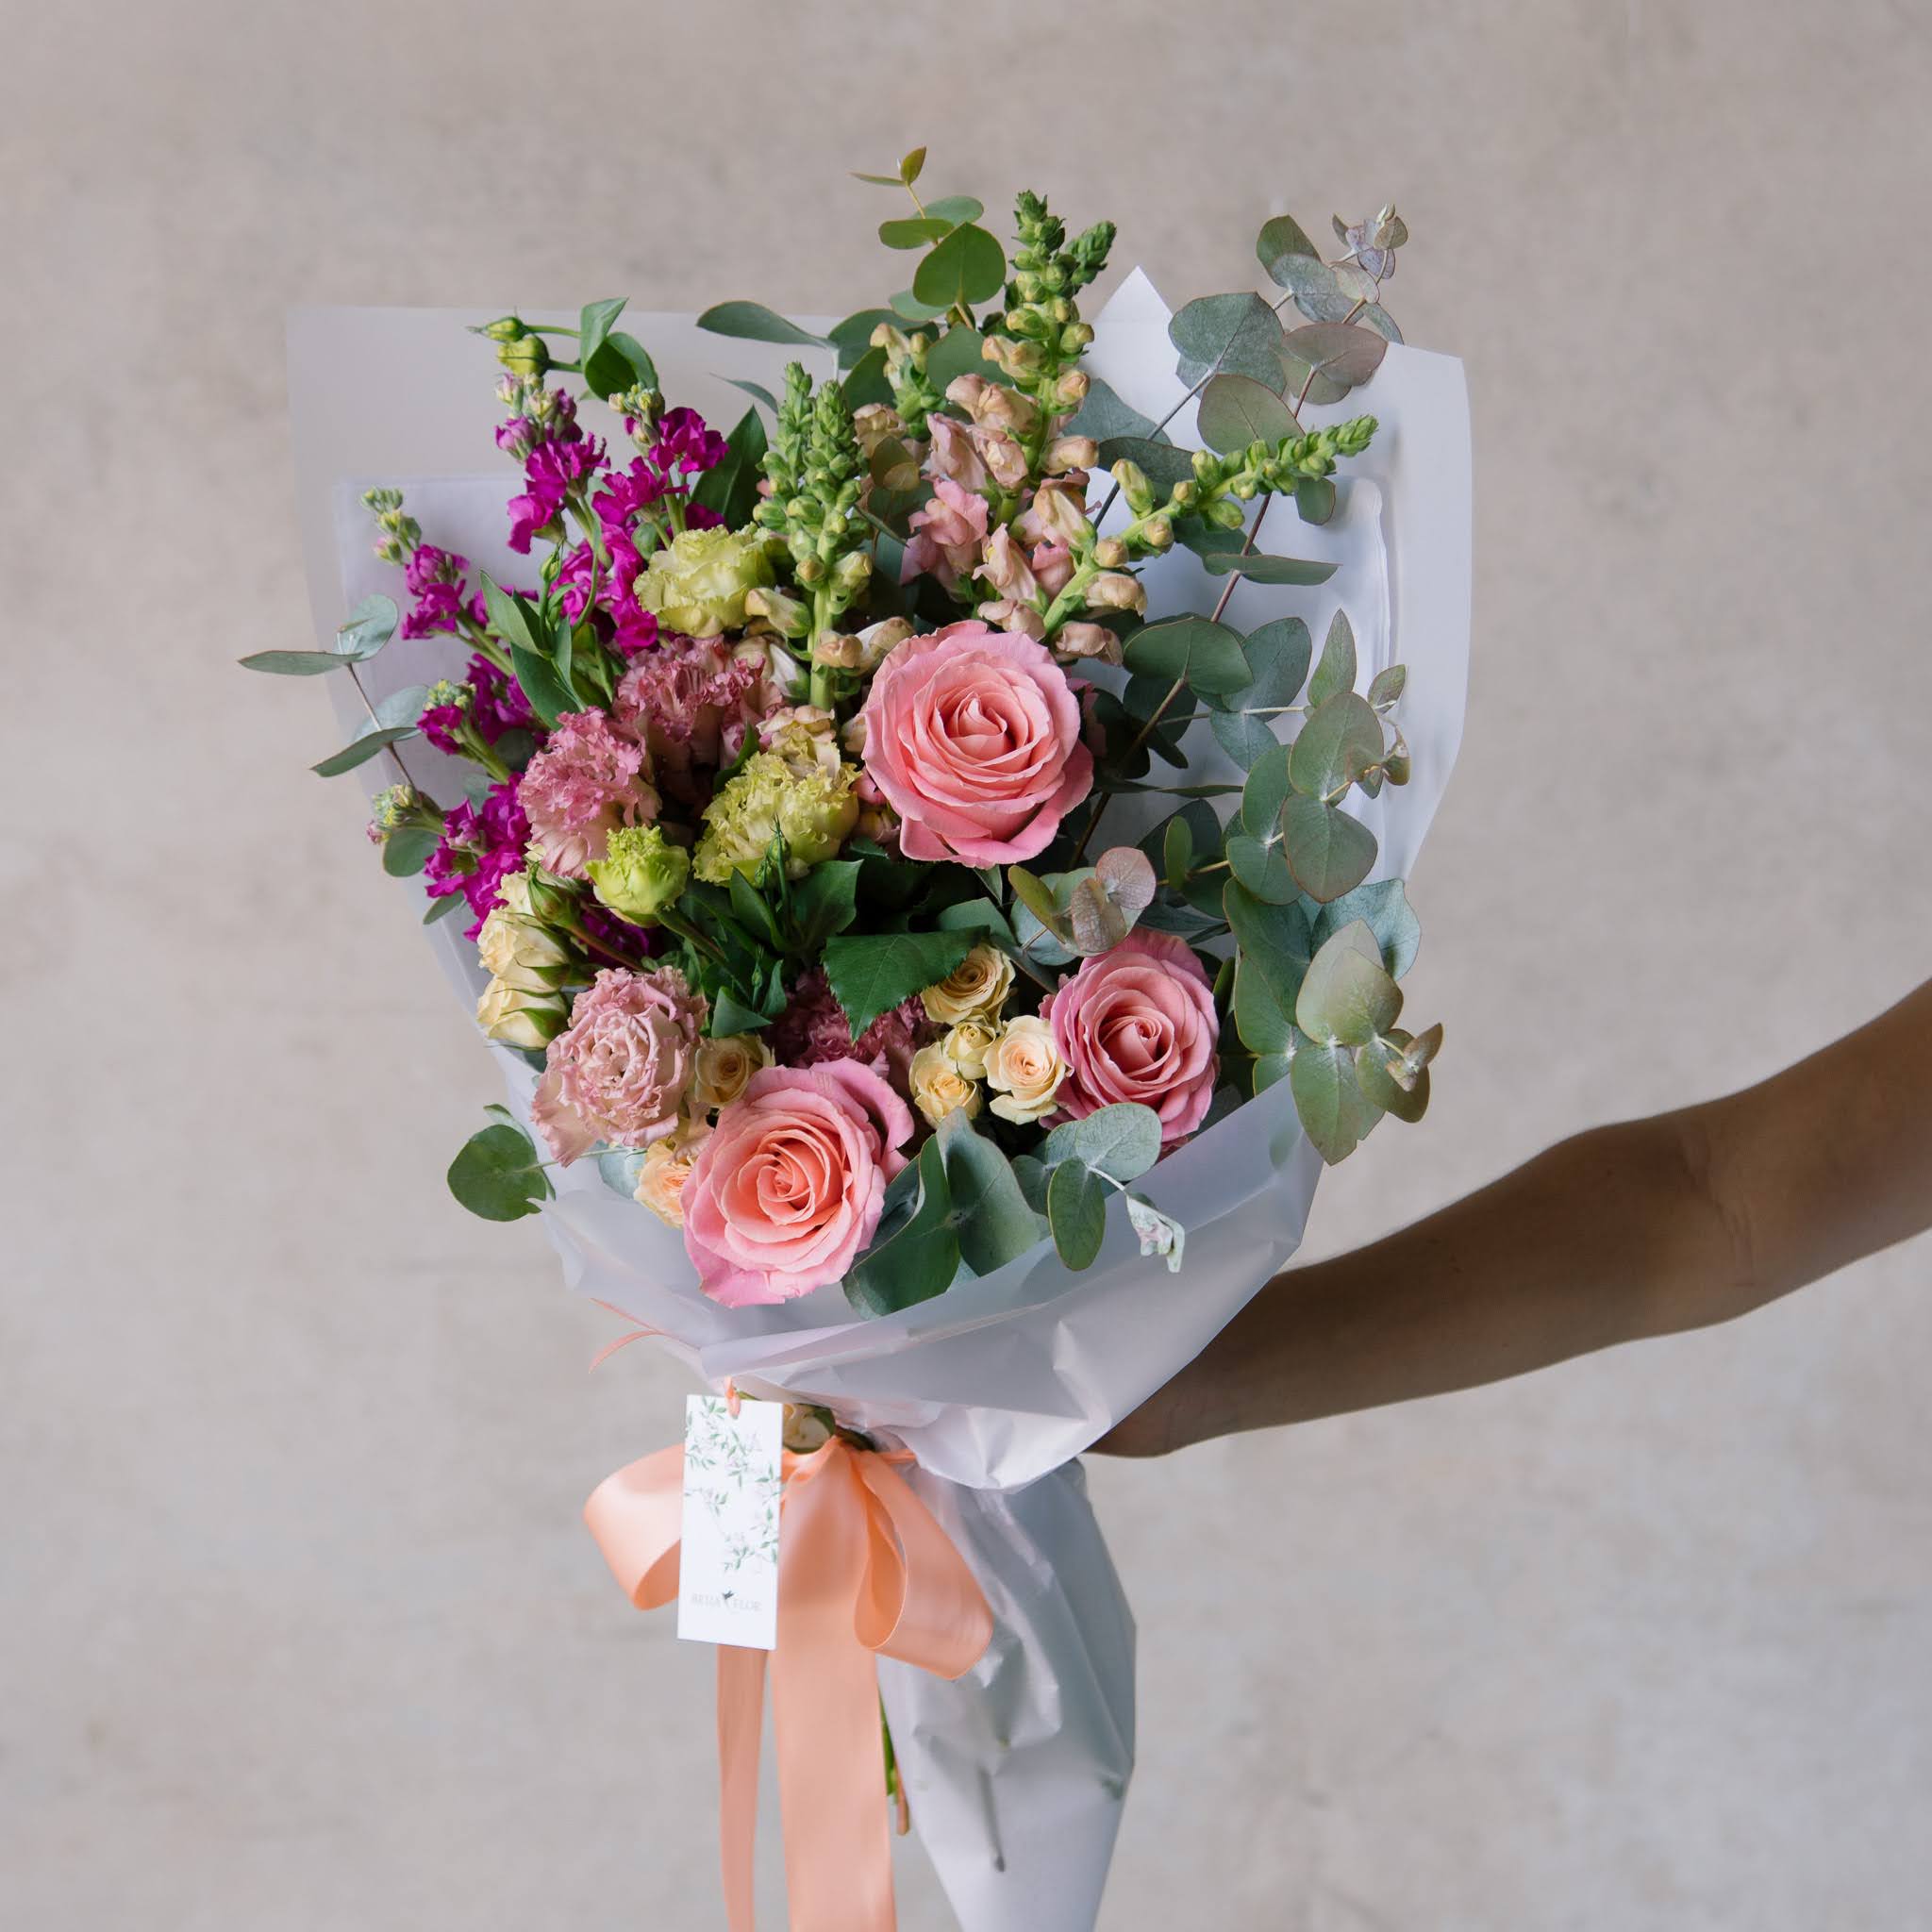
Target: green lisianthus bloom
(814, 812)
(641, 873)
(699, 583)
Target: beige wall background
(301, 1631)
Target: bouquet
(923, 857)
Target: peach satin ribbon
(862, 1567)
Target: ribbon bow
(862, 1567)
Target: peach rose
(973, 736)
(1137, 1023)
(788, 1188)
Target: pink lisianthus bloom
(584, 784)
(973, 736)
(620, 1071)
(1137, 1023)
(690, 702)
(946, 535)
(789, 1186)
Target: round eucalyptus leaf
(498, 1175)
(1239, 334)
(1329, 852)
(1381, 1073)
(966, 267)
(1076, 1212)
(1340, 739)
(1236, 411)
(1346, 997)
(1334, 1112)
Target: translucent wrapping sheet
(1016, 1772)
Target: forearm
(1634, 1230)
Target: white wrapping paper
(1016, 1774)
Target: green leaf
(1314, 499)
(550, 696)
(757, 391)
(977, 916)
(853, 337)
(1263, 867)
(1037, 896)
(441, 909)
(1237, 411)
(1262, 1022)
(510, 617)
(498, 1175)
(958, 351)
(1031, 1175)
(873, 973)
(1122, 1141)
(1259, 567)
(1329, 852)
(910, 165)
(1206, 655)
(1317, 292)
(730, 1014)
(919, 1258)
(1334, 1113)
(913, 232)
(1176, 851)
(1239, 334)
(1264, 793)
(1281, 237)
(967, 267)
(394, 719)
(992, 1221)
(955, 208)
(618, 1168)
(1377, 318)
(1337, 670)
(907, 307)
(732, 488)
(752, 911)
(1279, 655)
(1346, 996)
(639, 367)
(824, 901)
(1381, 1072)
(1104, 416)
(360, 634)
(1076, 1212)
(753, 322)
(406, 852)
(1337, 352)
(1386, 686)
(1384, 907)
(1275, 941)
(605, 370)
(1340, 739)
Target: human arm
(1644, 1229)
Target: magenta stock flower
(788, 1187)
(1137, 1023)
(551, 471)
(479, 850)
(973, 735)
(619, 1071)
(686, 443)
(585, 783)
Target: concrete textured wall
(298, 1628)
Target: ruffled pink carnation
(584, 784)
(620, 1071)
(690, 702)
(813, 1029)
(788, 1187)
(973, 736)
(1137, 1023)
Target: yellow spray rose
(522, 1016)
(967, 1044)
(725, 1067)
(939, 1087)
(666, 1167)
(974, 989)
(1024, 1069)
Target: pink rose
(946, 535)
(973, 736)
(620, 1071)
(1137, 1023)
(788, 1188)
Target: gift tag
(727, 1577)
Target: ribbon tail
(825, 1714)
(740, 1720)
